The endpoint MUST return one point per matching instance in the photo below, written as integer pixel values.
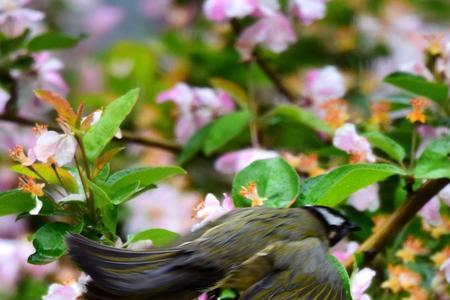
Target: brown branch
(270, 73)
(401, 217)
(127, 136)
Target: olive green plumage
(264, 253)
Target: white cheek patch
(331, 218)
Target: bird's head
(336, 224)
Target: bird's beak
(354, 227)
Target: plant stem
(127, 136)
(90, 200)
(85, 187)
(270, 73)
(412, 158)
(57, 175)
(397, 221)
(254, 110)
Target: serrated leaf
(52, 41)
(299, 115)
(59, 103)
(100, 134)
(333, 187)
(15, 202)
(275, 179)
(48, 174)
(434, 161)
(159, 237)
(194, 145)
(419, 85)
(386, 144)
(234, 90)
(143, 176)
(343, 274)
(225, 129)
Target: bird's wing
(292, 270)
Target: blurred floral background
(194, 62)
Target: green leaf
(275, 179)
(228, 294)
(435, 161)
(194, 145)
(159, 237)
(49, 175)
(143, 176)
(52, 41)
(99, 135)
(333, 187)
(419, 85)
(299, 115)
(126, 193)
(15, 202)
(343, 274)
(105, 204)
(234, 90)
(225, 129)
(386, 144)
(49, 243)
(8, 45)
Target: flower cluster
(196, 107)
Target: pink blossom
(70, 291)
(24, 250)
(14, 18)
(344, 249)
(213, 209)
(13, 261)
(48, 69)
(324, 84)
(235, 161)
(444, 194)
(430, 212)
(9, 265)
(53, 145)
(308, 10)
(196, 107)
(365, 198)
(9, 228)
(446, 268)
(174, 213)
(220, 10)
(9, 181)
(347, 139)
(203, 296)
(360, 282)
(275, 32)
(4, 98)
(102, 19)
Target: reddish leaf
(61, 105)
(101, 162)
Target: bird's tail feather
(124, 274)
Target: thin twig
(127, 136)
(270, 73)
(398, 220)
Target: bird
(259, 252)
